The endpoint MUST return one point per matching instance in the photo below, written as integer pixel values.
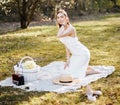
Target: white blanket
(50, 71)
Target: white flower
(29, 65)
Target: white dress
(80, 57)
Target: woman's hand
(66, 64)
(60, 31)
(64, 24)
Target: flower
(29, 65)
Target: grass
(102, 37)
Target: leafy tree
(7, 7)
(26, 9)
(114, 2)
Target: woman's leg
(78, 66)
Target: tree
(7, 7)
(26, 9)
(114, 2)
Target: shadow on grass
(12, 96)
(11, 27)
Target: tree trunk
(26, 9)
(92, 5)
(23, 23)
(99, 5)
(24, 15)
(114, 2)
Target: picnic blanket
(54, 69)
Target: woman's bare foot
(90, 71)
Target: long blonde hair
(64, 13)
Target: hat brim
(57, 81)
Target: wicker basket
(29, 74)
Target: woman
(77, 63)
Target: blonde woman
(77, 55)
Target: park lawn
(101, 36)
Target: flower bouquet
(29, 65)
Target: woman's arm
(67, 57)
(67, 54)
(67, 32)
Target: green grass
(102, 37)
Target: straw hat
(66, 80)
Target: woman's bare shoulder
(71, 28)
